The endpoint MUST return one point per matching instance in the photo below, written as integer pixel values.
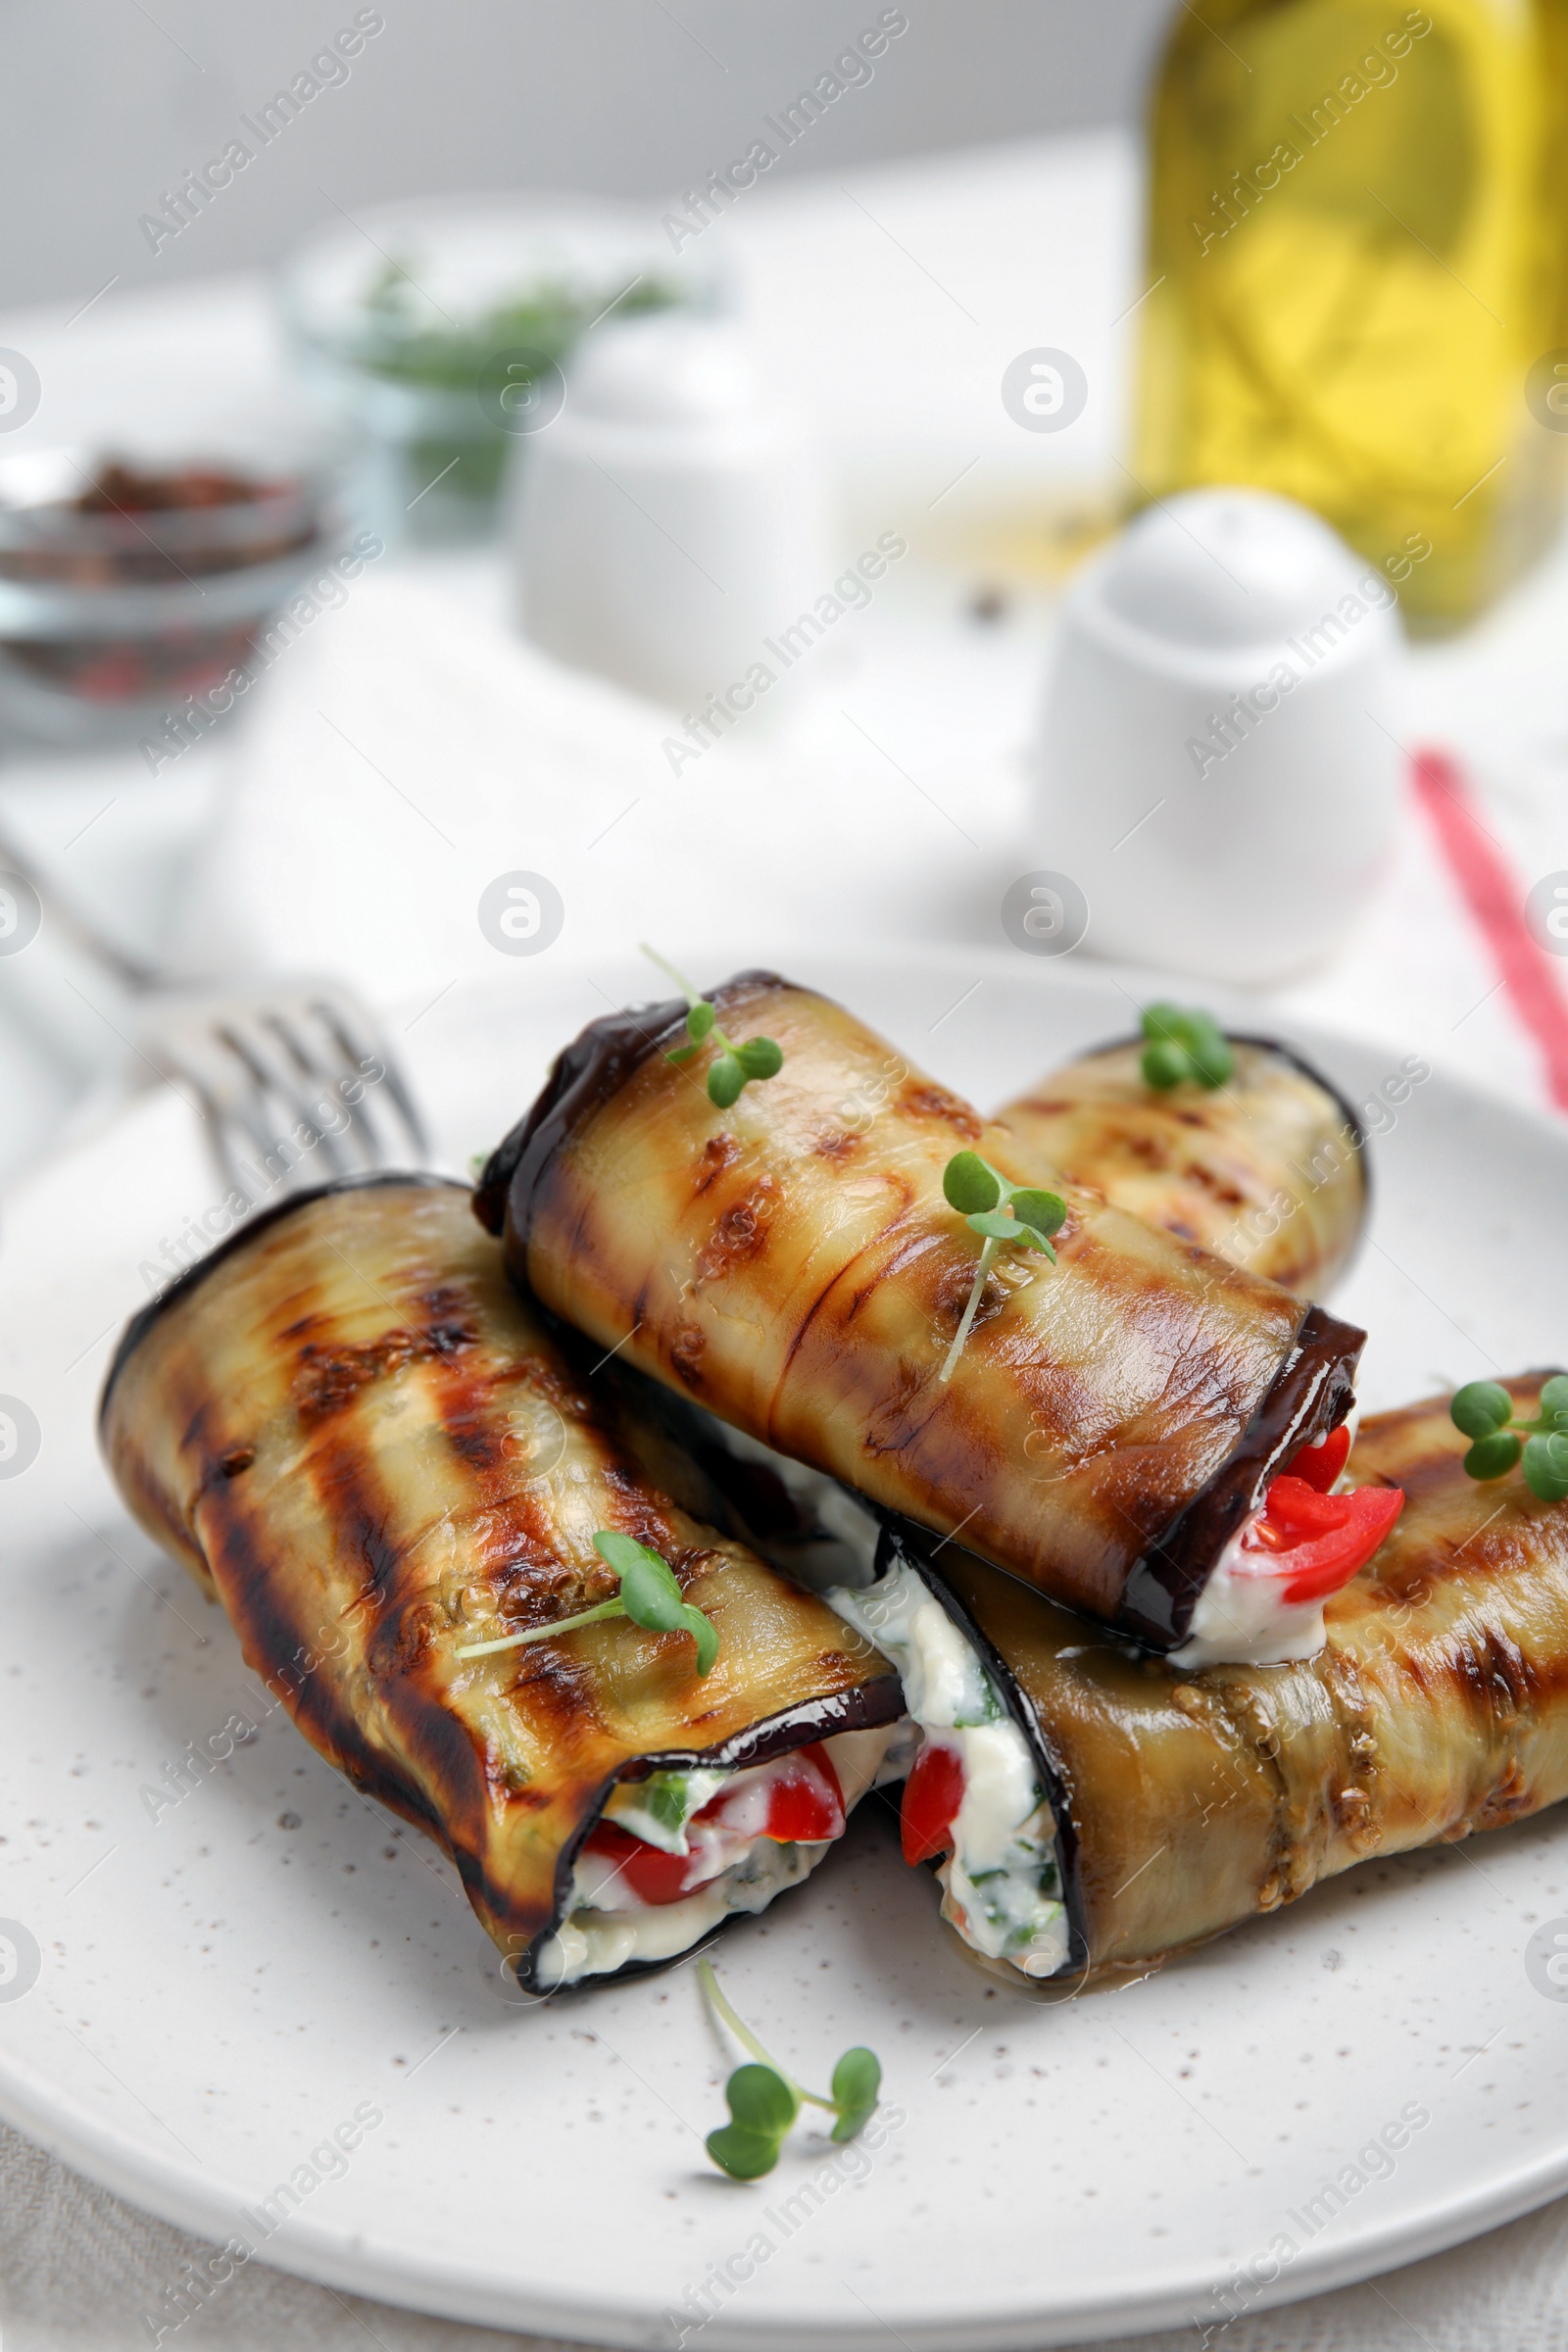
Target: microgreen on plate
(763, 2100)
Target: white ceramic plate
(224, 1980)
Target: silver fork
(293, 1078)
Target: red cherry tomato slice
(1299, 1509)
(651, 1873)
(1321, 1464)
(805, 1804)
(932, 1795)
(1319, 1542)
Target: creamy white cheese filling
(659, 1809)
(842, 1550)
(590, 1943)
(738, 1869)
(1242, 1617)
(1002, 1884)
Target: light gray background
(103, 104)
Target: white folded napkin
(408, 749)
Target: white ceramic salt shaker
(669, 521)
(1217, 767)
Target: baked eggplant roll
(1095, 1810)
(1267, 1170)
(1116, 1417)
(358, 1438)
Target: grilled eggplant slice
(357, 1436)
(1268, 1171)
(1186, 1802)
(791, 1264)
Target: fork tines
(295, 1082)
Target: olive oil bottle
(1359, 255)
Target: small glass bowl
(117, 602)
(395, 320)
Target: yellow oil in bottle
(1358, 235)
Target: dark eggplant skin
(1189, 1801)
(792, 1266)
(358, 1439)
(1268, 1171)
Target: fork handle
(95, 944)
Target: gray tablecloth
(78, 2269)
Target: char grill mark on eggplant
(344, 1425)
(1189, 1801)
(1268, 1171)
(1100, 1406)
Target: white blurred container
(669, 520)
(1215, 766)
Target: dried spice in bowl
(125, 585)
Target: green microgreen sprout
(736, 1067)
(1184, 1045)
(1006, 1215)
(764, 2101)
(648, 1595)
(1484, 1410)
